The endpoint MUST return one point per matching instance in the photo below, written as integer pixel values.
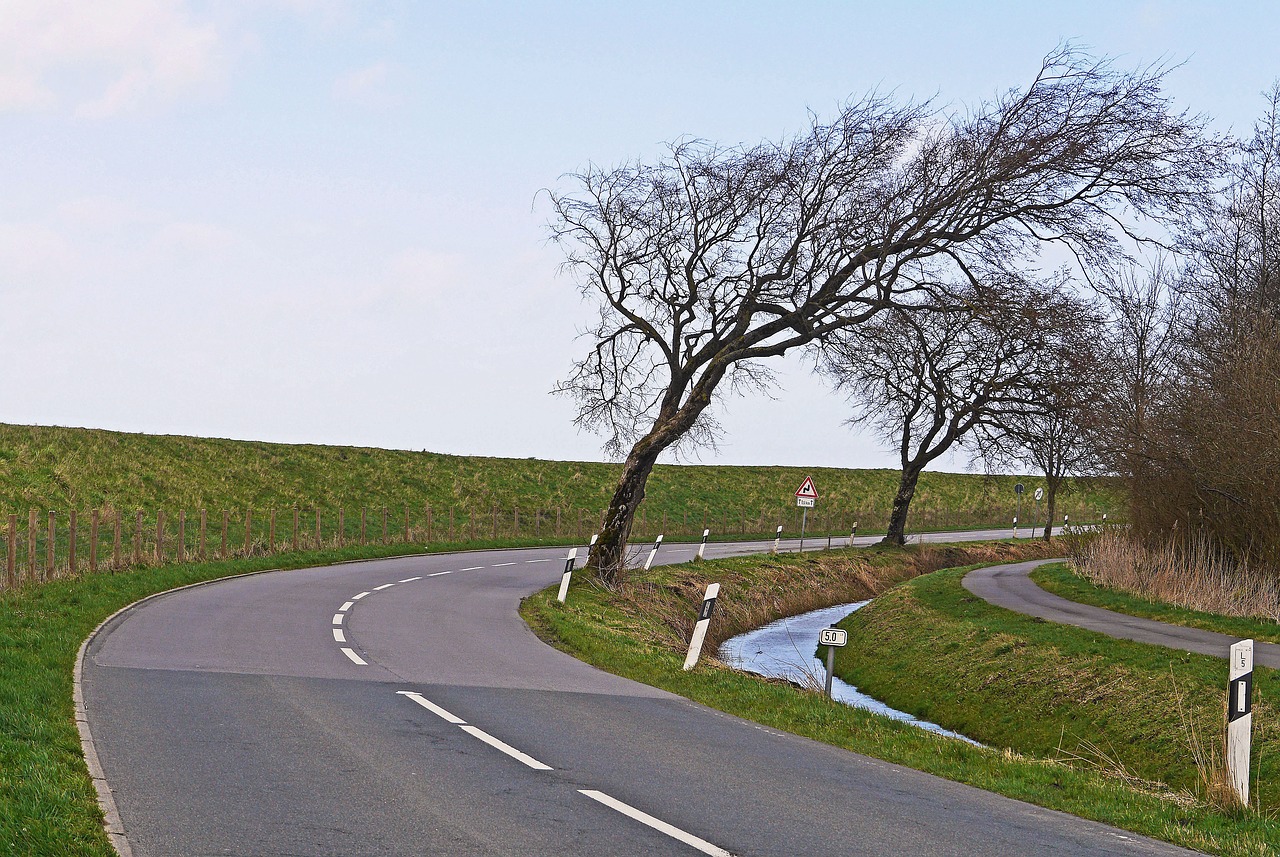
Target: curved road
(401, 706)
(1011, 587)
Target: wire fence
(44, 545)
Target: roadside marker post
(1015, 527)
(649, 562)
(832, 638)
(853, 533)
(777, 540)
(1066, 519)
(568, 573)
(702, 548)
(700, 627)
(1240, 717)
(806, 498)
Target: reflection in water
(785, 649)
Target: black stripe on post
(1239, 702)
(707, 607)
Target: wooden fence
(57, 544)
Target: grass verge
(641, 631)
(47, 802)
(1061, 580)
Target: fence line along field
(88, 500)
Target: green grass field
(66, 468)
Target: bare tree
(924, 380)
(713, 259)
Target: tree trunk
(897, 532)
(609, 554)
(1050, 497)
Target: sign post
(700, 627)
(1240, 716)
(568, 573)
(832, 638)
(806, 498)
(1035, 514)
(1018, 489)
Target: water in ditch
(785, 649)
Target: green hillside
(430, 496)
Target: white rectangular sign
(806, 502)
(833, 637)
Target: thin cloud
(368, 87)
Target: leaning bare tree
(925, 380)
(712, 259)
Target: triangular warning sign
(807, 489)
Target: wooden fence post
(319, 535)
(515, 526)
(137, 539)
(271, 532)
(115, 541)
(406, 524)
(223, 551)
(495, 522)
(248, 531)
(557, 522)
(182, 535)
(93, 541)
(50, 551)
(11, 560)
(471, 524)
(429, 533)
(31, 545)
(159, 536)
(71, 544)
(364, 514)
(384, 525)
(342, 526)
(204, 542)
(450, 523)
(295, 528)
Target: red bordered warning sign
(807, 491)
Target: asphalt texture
(229, 721)
(1011, 587)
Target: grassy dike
(1024, 687)
(47, 802)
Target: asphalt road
(402, 707)
(1011, 587)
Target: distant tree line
(1071, 277)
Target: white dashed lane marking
(505, 748)
(410, 579)
(355, 659)
(383, 586)
(358, 597)
(338, 617)
(500, 564)
(656, 823)
(432, 707)
(338, 636)
(438, 573)
(346, 606)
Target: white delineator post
(702, 548)
(853, 533)
(1240, 716)
(653, 553)
(700, 629)
(568, 573)
(777, 540)
(1015, 526)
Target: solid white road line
(432, 707)
(657, 824)
(438, 573)
(383, 586)
(410, 579)
(346, 606)
(358, 597)
(355, 659)
(504, 747)
(338, 617)
(338, 636)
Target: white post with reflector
(777, 540)
(853, 533)
(1015, 526)
(700, 628)
(702, 548)
(1240, 717)
(568, 573)
(653, 553)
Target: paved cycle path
(1011, 587)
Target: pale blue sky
(316, 221)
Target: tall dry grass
(1192, 574)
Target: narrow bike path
(1011, 587)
